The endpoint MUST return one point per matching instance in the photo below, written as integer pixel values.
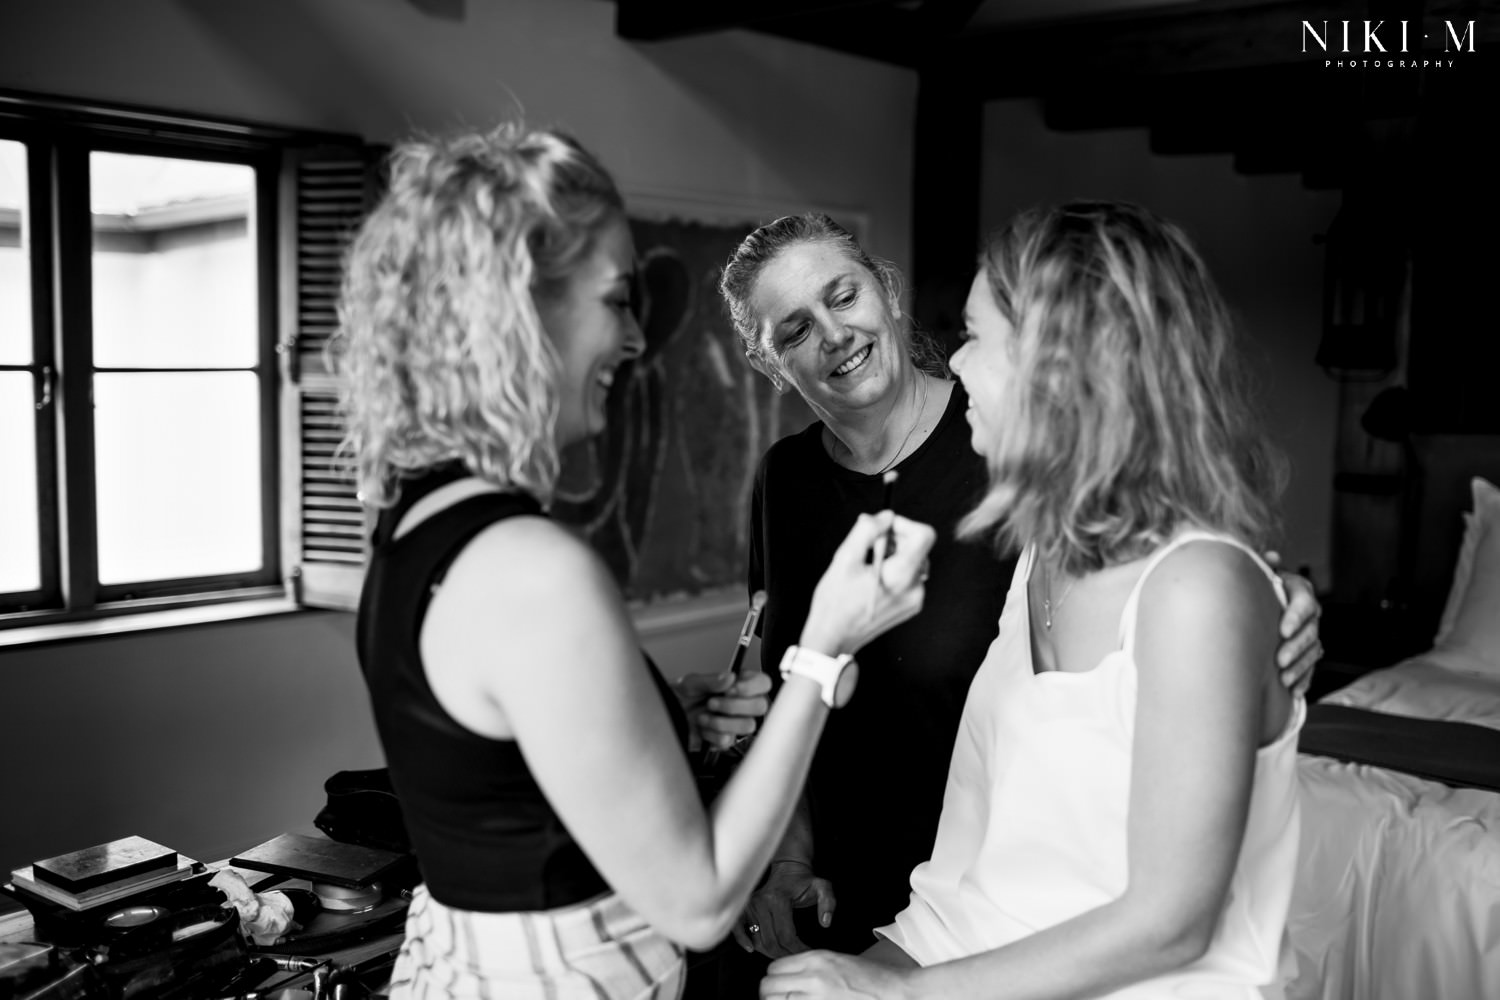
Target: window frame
(60, 135)
(43, 369)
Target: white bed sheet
(1398, 880)
(1438, 684)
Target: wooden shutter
(325, 194)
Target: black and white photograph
(749, 499)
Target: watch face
(845, 686)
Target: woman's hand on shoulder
(1301, 647)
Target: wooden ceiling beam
(1266, 152)
(1033, 61)
(949, 17)
(1030, 61)
(1325, 173)
(887, 34)
(1210, 100)
(887, 30)
(1290, 119)
(1192, 139)
(1127, 105)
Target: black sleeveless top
(485, 836)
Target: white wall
(733, 115)
(207, 738)
(214, 737)
(1256, 234)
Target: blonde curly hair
(1129, 412)
(440, 350)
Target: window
(166, 431)
(20, 523)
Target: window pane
(177, 460)
(174, 263)
(15, 266)
(20, 564)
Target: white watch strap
(821, 668)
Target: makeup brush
(889, 481)
(737, 665)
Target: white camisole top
(1033, 829)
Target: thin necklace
(1047, 607)
(912, 430)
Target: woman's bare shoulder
(533, 557)
(1207, 580)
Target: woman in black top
(818, 314)
(539, 758)
(876, 787)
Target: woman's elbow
(1174, 936)
(697, 935)
(698, 929)
(1187, 945)
(1183, 940)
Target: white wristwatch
(835, 675)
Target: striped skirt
(597, 950)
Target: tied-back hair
(440, 350)
(1128, 413)
(763, 245)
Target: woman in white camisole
(1121, 813)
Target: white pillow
(1473, 628)
(1461, 572)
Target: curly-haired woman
(538, 756)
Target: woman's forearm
(850, 606)
(797, 844)
(748, 818)
(1096, 952)
(745, 832)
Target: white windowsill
(198, 614)
(656, 618)
(671, 615)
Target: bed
(1398, 881)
